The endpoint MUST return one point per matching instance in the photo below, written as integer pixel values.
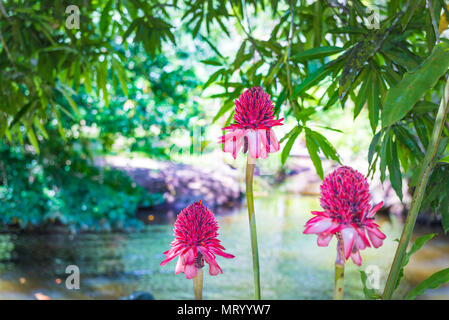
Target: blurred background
(110, 114)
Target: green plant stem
(424, 175)
(339, 280)
(339, 269)
(198, 285)
(252, 224)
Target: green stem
(339, 280)
(339, 269)
(425, 171)
(198, 285)
(252, 224)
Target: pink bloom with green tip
(252, 128)
(345, 199)
(195, 242)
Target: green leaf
(225, 108)
(419, 242)
(240, 56)
(401, 98)
(121, 73)
(274, 70)
(312, 148)
(211, 62)
(69, 100)
(32, 137)
(312, 80)
(41, 128)
(373, 146)
(444, 210)
(105, 18)
(288, 146)
(23, 110)
(434, 281)
(362, 95)
(213, 77)
(316, 53)
(444, 159)
(325, 146)
(394, 169)
(373, 101)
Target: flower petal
(348, 235)
(190, 271)
(254, 144)
(232, 141)
(318, 225)
(180, 265)
(376, 237)
(356, 258)
(323, 240)
(374, 209)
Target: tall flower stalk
(252, 224)
(349, 216)
(424, 175)
(198, 285)
(195, 243)
(339, 269)
(252, 131)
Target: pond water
(113, 266)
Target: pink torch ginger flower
(195, 241)
(347, 214)
(252, 128)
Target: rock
(216, 185)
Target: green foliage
(324, 47)
(401, 98)
(65, 189)
(43, 63)
(434, 281)
(419, 242)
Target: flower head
(195, 241)
(347, 214)
(252, 128)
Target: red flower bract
(345, 199)
(195, 241)
(252, 128)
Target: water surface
(113, 265)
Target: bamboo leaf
(434, 281)
(401, 98)
(32, 138)
(444, 210)
(312, 148)
(418, 244)
(288, 146)
(121, 74)
(316, 53)
(394, 169)
(312, 80)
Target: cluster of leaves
(322, 54)
(43, 63)
(157, 102)
(63, 188)
(395, 72)
(71, 94)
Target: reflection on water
(113, 266)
